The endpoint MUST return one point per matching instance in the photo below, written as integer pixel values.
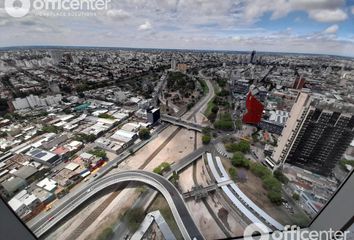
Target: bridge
(179, 210)
(199, 192)
(174, 199)
(182, 123)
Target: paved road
(180, 212)
(47, 220)
(103, 170)
(200, 106)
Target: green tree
(296, 196)
(275, 197)
(224, 125)
(175, 177)
(51, 129)
(206, 130)
(163, 167)
(271, 183)
(215, 109)
(206, 139)
(134, 217)
(190, 105)
(260, 170)
(243, 146)
(238, 124)
(3, 134)
(107, 233)
(223, 93)
(239, 160)
(144, 133)
(82, 137)
(278, 174)
(106, 116)
(98, 152)
(233, 173)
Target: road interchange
(174, 199)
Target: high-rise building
(299, 82)
(315, 137)
(254, 110)
(173, 64)
(153, 115)
(253, 54)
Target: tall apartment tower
(252, 57)
(173, 64)
(315, 138)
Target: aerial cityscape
(236, 137)
(185, 120)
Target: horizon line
(172, 49)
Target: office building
(252, 58)
(33, 102)
(153, 115)
(173, 64)
(275, 123)
(254, 110)
(43, 157)
(299, 82)
(315, 137)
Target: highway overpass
(182, 123)
(174, 199)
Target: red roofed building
(254, 110)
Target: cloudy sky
(313, 26)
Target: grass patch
(204, 86)
(134, 218)
(107, 233)
(210, 106)
(161, 205)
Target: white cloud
(336, 15)
(198, 24)
(319, 10)
(353, 10)
(331, 29)
(145, 26)
(118, 14)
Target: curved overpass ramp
(175, 201)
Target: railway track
(209, 208)
(93, 216)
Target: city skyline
(297, 26)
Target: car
(48, 208)
(50, 219)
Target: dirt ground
(200, 214)
(181, 145)
(231, 221)
(66, 229)
(253, 188)
(109, 216)
(135, 161)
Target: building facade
(254, 110)
(314, 138)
